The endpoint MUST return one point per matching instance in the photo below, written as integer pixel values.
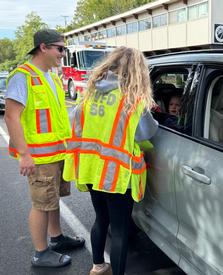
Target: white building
(160, 26)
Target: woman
(104, 156)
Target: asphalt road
(77, 216)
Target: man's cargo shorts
(47, 186)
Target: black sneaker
(51, 259)
(67, 243)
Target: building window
(198, 11)
(94, 36)
(87, 37)
(144, 24)
(159, 20)
(121, 30)
(203, 9)
(102, 34)
(80, 38)
(178, 16)
(132, 27)
(72, 40)
(111, 32)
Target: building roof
(141, 9)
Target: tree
(24, 35)
(6, 50)
(90, 11)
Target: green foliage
(7, 57)
(6, 50)
(90, 11)
(24, 36)
(8, 65)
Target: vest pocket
(43, 121)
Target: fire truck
(78, 63)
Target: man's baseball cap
(46, 36)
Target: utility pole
(65, 19)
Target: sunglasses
(59, 48)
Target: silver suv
(183, 207)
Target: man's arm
(13, 112)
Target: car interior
(216, 113)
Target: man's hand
(26, 165)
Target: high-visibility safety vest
(102, 150)
(44, 119)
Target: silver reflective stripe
(25, 67)
(43, 121)
(36, 81)
(110, 174)
(104, 151)
(119, 130)
(77, 121)
(47, 149)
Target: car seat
(162, 94)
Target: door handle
(197, 175)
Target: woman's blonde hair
(133, 76)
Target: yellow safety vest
(102, 150)
(45, 119)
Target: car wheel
(72, 90)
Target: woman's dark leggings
(116, 210)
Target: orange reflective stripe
(48, 154)
(101, 184)
(38, 129)
(140, 194)
(31, 70)
(46, 144)
(139, 171)
(114, 183)
(32, 81)
(97, 141)
(48, 121)
(43, 121)
(35, 80)
(82, 117)
(76, 163)
(107, 159)
(115, 125)
(28, 69)
(114, 129)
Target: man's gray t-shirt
(17, 87)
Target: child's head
(174, 105)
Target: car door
(157, 214)
(199, 181)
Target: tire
(72, 90)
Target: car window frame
(154, 68)
(211, 72)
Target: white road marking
(68, 216)
(4, 135)
(77, 227)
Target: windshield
(2, 83)
(88, 59)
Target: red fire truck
(78, 63)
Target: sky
(13, 13)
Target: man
(38, 126)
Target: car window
(174, 93)
(213, 122)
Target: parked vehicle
(182, 212)
(79, 61)
(3, 77)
